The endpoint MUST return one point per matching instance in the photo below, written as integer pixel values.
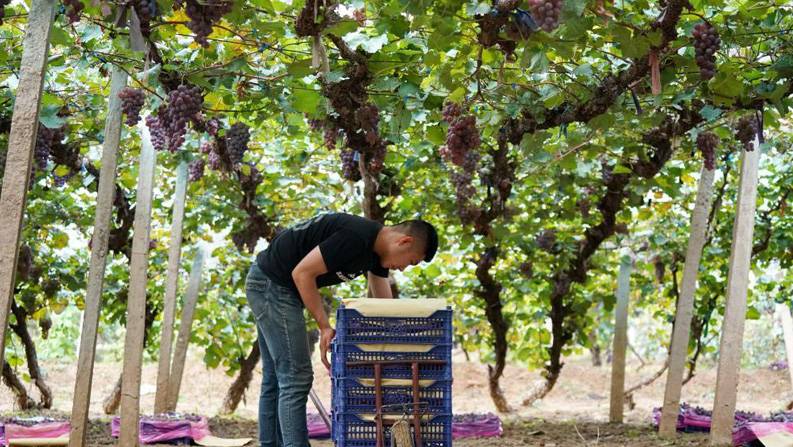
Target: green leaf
(710, 113)
(61, 171)
(306, 101)
(342, 28)
(457, 95)
(369, 44)
(436, 135)
(726, 83)
(300, 68)
(432, 271)
(59, 37)
(90, 32)
(621, 169)
(49, 117)
(752, 313)
(264, 4)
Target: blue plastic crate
(352, 327)
(353, 431)
(358, 396)
(345, 352)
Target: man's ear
(405, 240)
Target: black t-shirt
(345, 241)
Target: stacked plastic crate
(392, 363)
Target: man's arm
(379, 286)
(305, 277)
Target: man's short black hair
(423, 232)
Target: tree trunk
(491, 292)
(24, 402)
(21, 329)
(659, 139)
(594, 350)
(113, 400)
(236, 391)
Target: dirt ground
(575, 413)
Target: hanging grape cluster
(195, 170)
(73, 9)
(462, 140)
(183, 103)
(462, 136)
(237, 138)
(159, 138)
(349, 165)
(203, 14)
(146, 11)
(132, 100)
(213, 159)
(207, 147)
(706, 44)
(46, 139)
(168, 128)
(546, 13)
(212, 126)
(707, 143)
(745, 131)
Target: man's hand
(305, 277)
(325, 337)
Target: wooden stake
(21, 141)
(136, 301)
(96, 273)
(620, 340)
(786, 320)
(735, 313)
(685, 305)
(188, 309)
(171, 286)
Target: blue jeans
(286, 363)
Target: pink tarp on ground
(170, 427)
(476, 426)
(176, 427)
(748, 426)
(32, 429)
